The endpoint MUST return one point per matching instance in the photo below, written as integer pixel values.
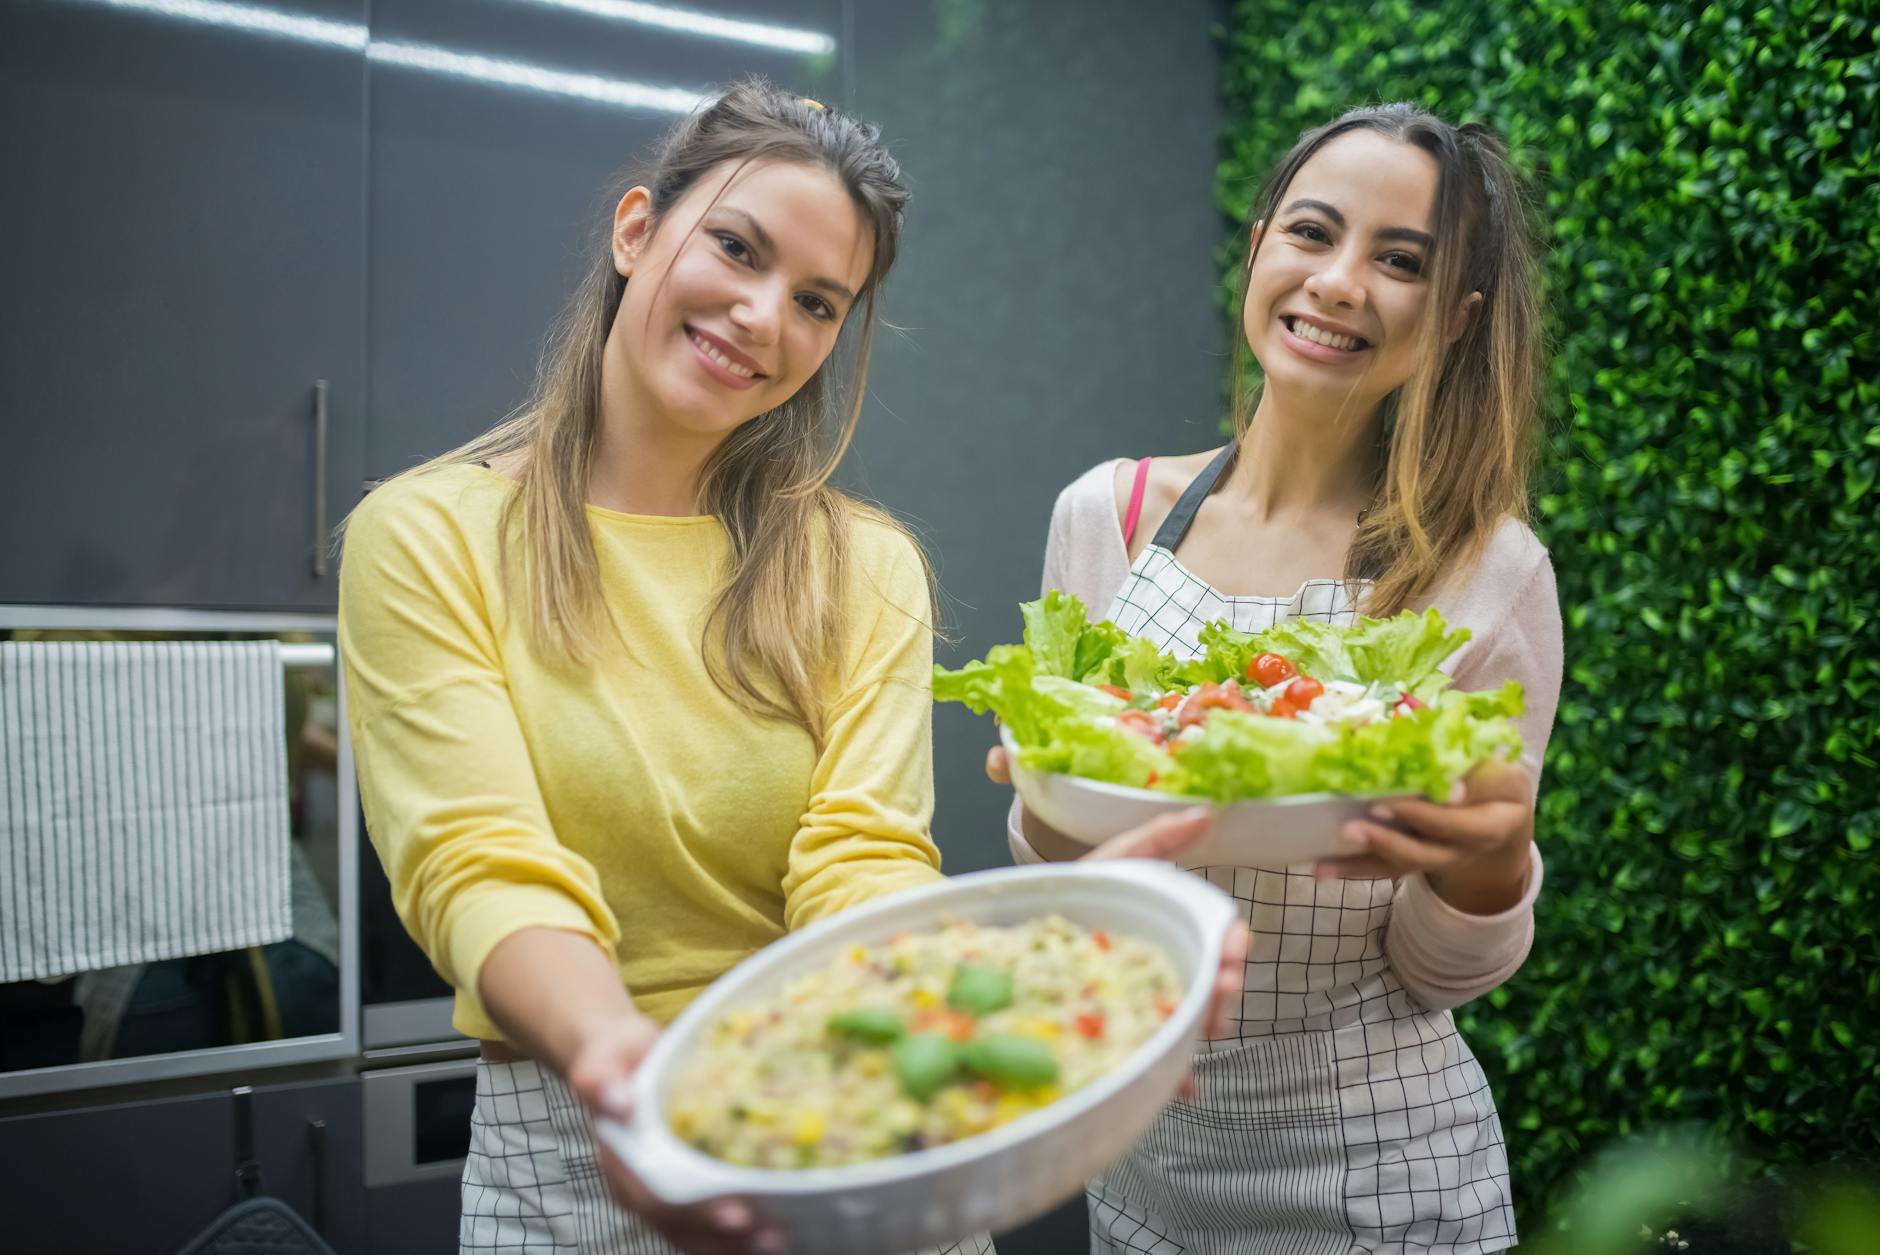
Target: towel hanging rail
(306, 654)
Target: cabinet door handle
(319, 479)
(316, 1145)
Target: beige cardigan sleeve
(1507, 600)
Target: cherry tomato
(1113, 691)
(1270, 669)
(1304, 691)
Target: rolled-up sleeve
(865, 830)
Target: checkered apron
(1338, 1116)
(532, 1185)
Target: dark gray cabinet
(489, 201)
(148, 1176)
(185, 227)
(143, 1176)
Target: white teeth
(1306, 331)
(709, 350)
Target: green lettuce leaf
(1063, 641)
(1083, 699)
(1241, 755)
(1097, 751)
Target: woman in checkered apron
(1388, 299)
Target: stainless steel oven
(417, 1121)
(403, 1001)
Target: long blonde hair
(776, 625)
(1460, 436)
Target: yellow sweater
(629, 799)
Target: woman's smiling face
(1337, 293)
(737, 293)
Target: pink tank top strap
(1135, 501)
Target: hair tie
(817, 105)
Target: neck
(1297, 459)
(641, 464)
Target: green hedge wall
(1709, 179)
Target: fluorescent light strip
(609, 91)
(247, 17)
(692, 22)
(493, 70)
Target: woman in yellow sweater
(632, 689)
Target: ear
(633, 227)
(1459, 323)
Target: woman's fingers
(602, 1072)
(1472, 824)
(1159, 838)
(717, 1226)
(998, 765)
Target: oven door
(403, 1001)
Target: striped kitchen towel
(143, 802)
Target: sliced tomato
(1211, 697)
(1101, 938)
(1283, 709)
(1142, 723)
(1270, 669)
(1304, 691)
(1169, 701)
(1114, 691)
(1089, 1024)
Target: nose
(758, 312)
(1338, 282)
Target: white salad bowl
(993, 1180)
(1261, 832)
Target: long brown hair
(1460, 436)
(776, 625)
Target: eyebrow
(1388, 233)
(769, 245)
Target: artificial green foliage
(1709, 182)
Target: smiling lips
(1315, 334)
(737, 369)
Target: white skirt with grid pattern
(532, 1185)
(1340, 1116)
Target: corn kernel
(926, 999)
(809, 1129)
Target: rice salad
(924, 1039)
